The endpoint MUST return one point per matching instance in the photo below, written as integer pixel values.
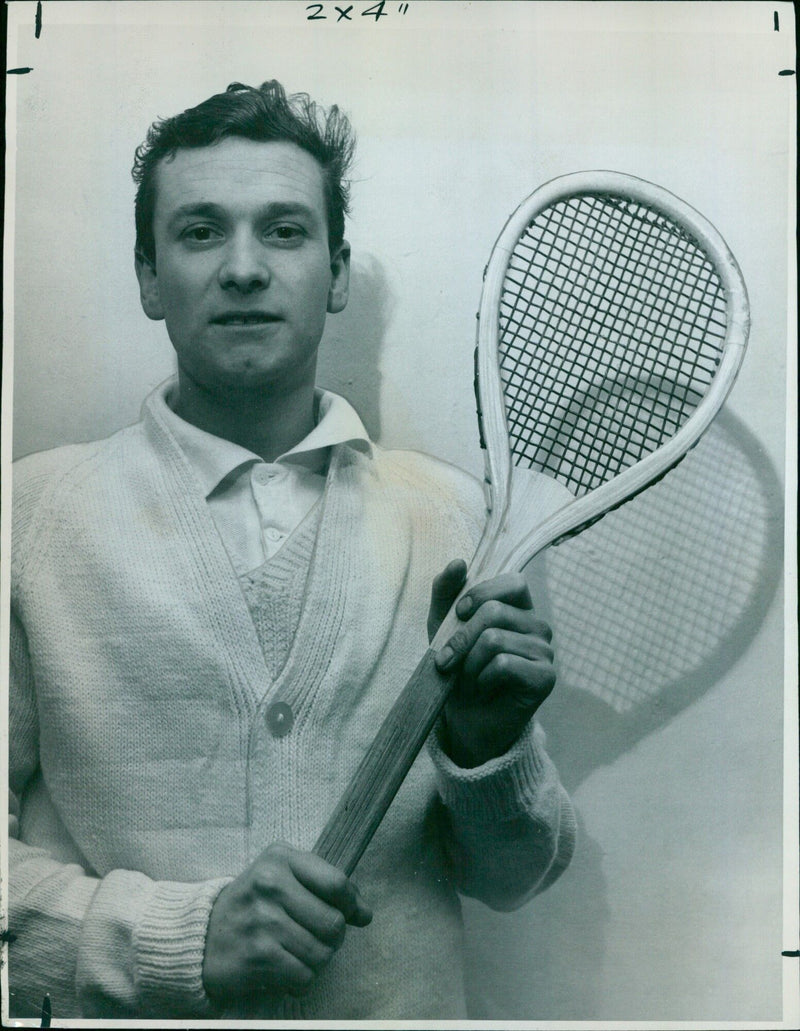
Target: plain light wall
(673, 907)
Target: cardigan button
(280, 719)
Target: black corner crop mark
(786, 71)
(47, 1011)
(792, 953)
(776, 25)
(38, 22)
(18, 71)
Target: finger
(491, 613)
(444, 592)
(494, 642)
(282, 898)
(273, 969)
(316, 892)
(525, 683)
(302, 943)
(324, 921)
(330, 885)
(510, 588)
(288, 973)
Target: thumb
(444, 592)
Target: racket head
(613, 323)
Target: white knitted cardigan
(145, 765)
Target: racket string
(611, 326)
(617, 282)
(612, 309)
(661, 296)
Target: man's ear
(148, 287)
(340, 278)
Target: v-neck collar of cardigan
(339, 563)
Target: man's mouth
(244, 318)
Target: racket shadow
(652, 605)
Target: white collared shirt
(256, 505)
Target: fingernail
(464, 607)
(445, 657)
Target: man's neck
(265, 422)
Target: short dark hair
(263, 114)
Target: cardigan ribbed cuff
(169, 945)
(501, 788)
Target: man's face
(243, 275)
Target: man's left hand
(504, 661)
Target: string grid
(612, 323)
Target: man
(213, 610)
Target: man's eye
(286, 233)
(199, 234)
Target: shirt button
(262, 476)
(272, 534)
(280, 719)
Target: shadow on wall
(652, 605)
(515, 961)
(650, 608)
(349, 358)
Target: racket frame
(492, 555)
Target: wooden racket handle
(383, 768)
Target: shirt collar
(213, 458)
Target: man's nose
(244, 266)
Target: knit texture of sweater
(274, 593)
(146, 762)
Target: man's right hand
(275, 927)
